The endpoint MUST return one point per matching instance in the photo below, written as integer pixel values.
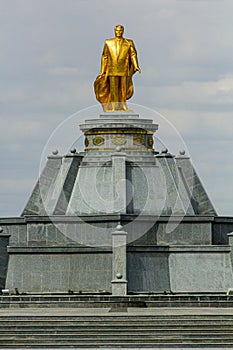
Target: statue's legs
(122, 93)
(118, 93)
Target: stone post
(119, 181)
(4, 242)
(119, 282)
(230, 238)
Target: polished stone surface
(63, 241)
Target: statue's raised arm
(119, 62)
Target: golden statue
(114, 85)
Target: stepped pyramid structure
(118, 217)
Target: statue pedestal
(119, 115)
(124, 130)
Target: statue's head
(119, 30)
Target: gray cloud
(50, 56)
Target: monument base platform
(64, 239)
(43, 257)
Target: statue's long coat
(115, 61)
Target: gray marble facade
(63, 240)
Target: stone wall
(74, 253)
(63, 270)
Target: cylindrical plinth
(123, 130)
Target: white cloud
(196, 94)
(201, 124)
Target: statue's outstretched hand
(137, 69)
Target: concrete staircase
(104, 321)
(123, 330)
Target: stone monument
(121, 216)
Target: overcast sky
(50, 55)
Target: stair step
(178, 328)
(114, 337)
(113, 345)
(106, 333)
(119, 324)
(156, 341)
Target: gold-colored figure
(114, 85)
